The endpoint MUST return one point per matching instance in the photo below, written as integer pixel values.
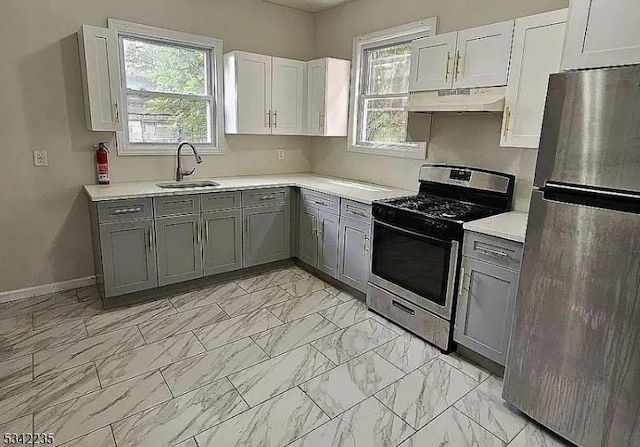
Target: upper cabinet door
(432, 62)
(537, 53)
(100, 78)
(317, 73)
(249, 102)
(289, 91)
(482, 56)
(602, 33)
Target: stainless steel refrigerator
(574, 359)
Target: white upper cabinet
(537, 53)
(100, 79)
(477, 57)
(432, 62)
(247, 93)
(264, 95)
(328, 97)
(288, 96)
(482, 56)
(602, 33)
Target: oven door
(416, 267)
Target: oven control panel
(461, 175)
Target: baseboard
(46, 289)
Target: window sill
(418, 153)
(168, 151)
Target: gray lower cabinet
(308, 235)
(128, 257)
(267, 234)
(328, 225)
(485, 308)
(222, 245)
(179, 245)
(354, 255)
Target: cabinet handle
(246, 226)
(116, 110)
(320, 202)
(127, 210)
(314, 227)
(320, 230)
(149, 240)
(446, 70)
(494, 253)
(198, 233)
(263, 198)
(461, 291)
(206, 231)
(457, 66)
(321, 120)
(507, 120)
(356, 211)
(275, 119)
(268, 119)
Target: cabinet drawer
(494, 250)
(221, 201)
(356, 211)
(262, 197)
(167, 206)
(126, 209)
(320, 201)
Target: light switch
(40, 158)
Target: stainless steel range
(417, 243)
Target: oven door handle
(414, 233)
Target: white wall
(464, 139)
(44, 222)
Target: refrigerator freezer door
(574, 358)
(591, 130)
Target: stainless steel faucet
(182, 173)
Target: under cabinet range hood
(458, 100)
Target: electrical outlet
(280, 154)
(40, 158)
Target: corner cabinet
(267, 226)
(602, 33)
(328, 97)
(537, 53)
(488, 288)
(264, 95)
(476, 57)
(100, 81)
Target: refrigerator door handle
(585, 190)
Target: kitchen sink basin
(186, 185)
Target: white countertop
(348, 189)
(511, 226)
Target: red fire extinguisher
(102, 164)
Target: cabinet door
(328, 225)
(288, 100)
(482, 56)
(432, 62)
(537, 53)
(100, 78)
(222, 245)
(128, 257)
(485, 308)
(354, 254)
(317, 73)
(267, 234)
(253, 94)
(307, 236)
(602, 33)
(179, 247)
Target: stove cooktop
(442, 208)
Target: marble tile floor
(278, 359)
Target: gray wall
(44, 221)
(465, 139)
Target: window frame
(214, 49)
(361, 44)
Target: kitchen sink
(186, 185)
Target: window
(381, 91)
(170, 90)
